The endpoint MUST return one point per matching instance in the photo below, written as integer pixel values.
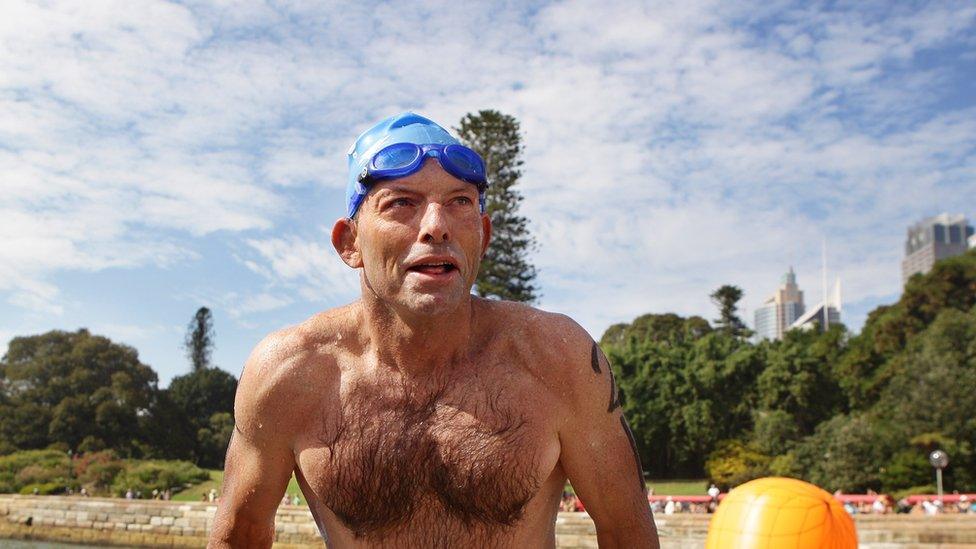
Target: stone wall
(141, 523)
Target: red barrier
(946, 498)
(681, 499)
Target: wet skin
(421, 416)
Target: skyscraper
(779, 312)
(932, 239)
(823, 314)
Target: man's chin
(433, 303)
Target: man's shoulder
(553, 342)
(286, 351)
(291, 365)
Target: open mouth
(433, 268)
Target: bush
(146, 476)
(45, 489)
(51, 472)
(97, 470)
(40, 474)
(13, 463)
(733, 463)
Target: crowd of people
(871, 503)
(957, 504)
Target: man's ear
(486, 233)
(344, 242)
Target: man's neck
(417, 344)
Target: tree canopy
(82, 392)
(844, 411)
(77, 389)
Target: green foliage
(53, 472)
(868, 367)
(845, 412)
(734, 462)
(506, 272)
(798, 376)
(84, 393)
(146, 476)
(213, 439)
(200, 339)
(683, 386)
(205, 399)
(726, 298)
(846, 453)
(64, 387)
(774, 432)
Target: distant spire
(826, 312)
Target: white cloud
(670, 148)
(310, 267)
(257, 303)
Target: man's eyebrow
(390, 189)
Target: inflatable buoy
(779, 513)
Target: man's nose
(434, 224)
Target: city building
(932, 239)
(781, 310)
(823, 314)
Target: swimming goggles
(403, 159)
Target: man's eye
(400, 202)
(464, 201)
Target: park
(534, 292)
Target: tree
(726, 298)
(506, 272)
(199, 342)
(683, 388)
(201, 396)
(69, 387)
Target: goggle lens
(396, 156)
(465, 160)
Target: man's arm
(259, 460)
(598, 453)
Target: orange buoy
(775, 513)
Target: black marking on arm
(614, 394)
(595, 358)
(633, 447)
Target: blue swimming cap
(402, 128)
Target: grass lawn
(679, 487)
(672, 487)
(216, 479)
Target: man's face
(420, 240)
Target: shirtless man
(421, 415)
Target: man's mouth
(433, 268)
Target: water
(32, 544)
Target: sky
(156, 157)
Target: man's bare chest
(467, 454)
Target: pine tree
(726, 298)
(506, 272)
(199, 342)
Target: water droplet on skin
(260, 425)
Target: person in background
(879, 506)
(963, 504)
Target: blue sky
(156, 156)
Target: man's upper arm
(598, 451)
(260, 459)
